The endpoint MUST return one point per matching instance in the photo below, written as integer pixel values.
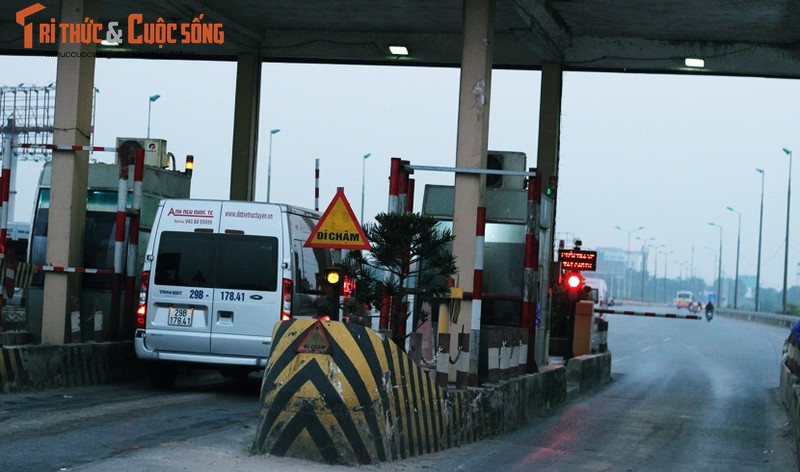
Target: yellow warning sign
(338, 228)
(315, 341)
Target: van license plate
(180, 316)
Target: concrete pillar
(471, 148)
(72, 121)
(549, 123)
(245, 127)
(547, 168)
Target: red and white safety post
(119, 249)
(529, 265)
(316, 184)
(5, 187)
(133, 231)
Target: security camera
(578, 243)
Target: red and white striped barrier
(58, 147)
(646, 313)
(72, 270)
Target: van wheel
(234, 373)
(163, 375)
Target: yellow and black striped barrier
(10, 368)
(343, 394)
(23, 274)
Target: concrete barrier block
(70, 365)
(588, 372)
(373, 403)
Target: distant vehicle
(683, 299)
(599, 291)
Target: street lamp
(655, 271)
(645, 242)
(738, 241)
(363, 169)
(149, 107)
(713, 253)
(269, 159)
(788, 202)
(628, 256)
(760, 226)
(719, 266)
(664, 288)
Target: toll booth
(99, 235)
(504, 246)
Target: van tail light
(286, 297)
(141, 310)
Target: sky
(667, 152)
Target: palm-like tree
(416, 255)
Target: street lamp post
(719, 266)
(645, 243)
(655, 270)
(269, 160)
(363, 169)
(664, 288)
(627, 257)
(713, 253)
(788, 204)
(738, 241)
(149, 107)
(760, 226)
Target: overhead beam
(732, 59)
(545, 34)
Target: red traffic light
(573, 281)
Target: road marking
(647, 348)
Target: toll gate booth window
(502, 272)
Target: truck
(99, 235)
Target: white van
(599, 291)
(217, 277)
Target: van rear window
(217, 260)
(247, 262)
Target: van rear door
(247, 300)
(181, 293)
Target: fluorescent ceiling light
(694, 62)
(106, 42)
(398, 50)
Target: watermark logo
(135, 30)
(28, 27)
